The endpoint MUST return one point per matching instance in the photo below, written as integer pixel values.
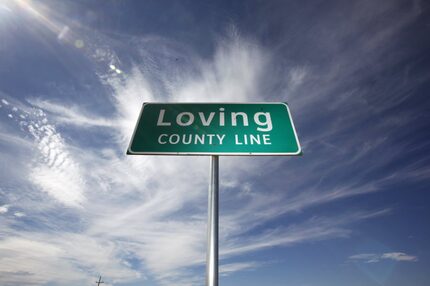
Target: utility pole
(100, 281)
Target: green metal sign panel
(214, 129)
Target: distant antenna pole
(212, 252)
(100, 281)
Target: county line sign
(214, 129)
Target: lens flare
(40, 12)
(79, 44)
(36, 12)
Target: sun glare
(41, 13)
(36, 11)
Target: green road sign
(214, 129)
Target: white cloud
(55, 171)
(399, 256)
(314, 229)
(373, 258)
(19, 214)
(66, 259)
(233, 75)
(226, 269)
(36, 259)
(128, 100)
(368, 257)
(4, 209)
(71, 115)
(296, 77)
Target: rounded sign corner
(299, 151)
(287, 106)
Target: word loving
(262, 120)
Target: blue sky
(353, 210)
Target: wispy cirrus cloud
(131, 217)
(373, 257)
(70, 115)
(226, 269)
(399, 256)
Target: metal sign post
(212, 250)
(215, 129)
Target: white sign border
(298, 153)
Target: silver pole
(212, 251)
